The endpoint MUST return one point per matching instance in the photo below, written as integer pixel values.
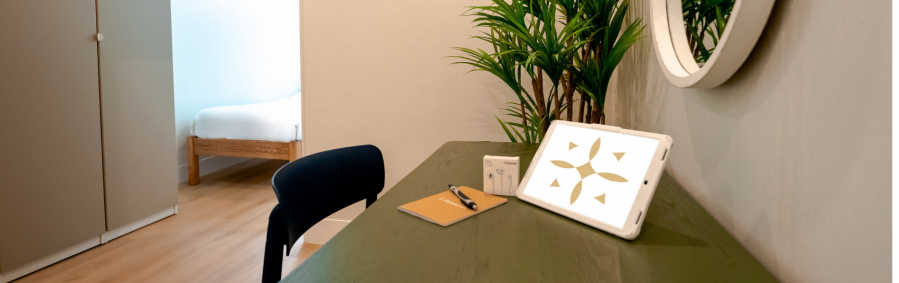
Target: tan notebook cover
(445, 208)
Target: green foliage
(705, 18)
(577, 37)
(544, 44)
(606, 48)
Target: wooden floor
(218, 235)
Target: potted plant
(575, 44)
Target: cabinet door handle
(99, 37)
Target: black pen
(465, 200)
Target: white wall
(792, 154)
(229, 52)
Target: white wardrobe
(87, 127)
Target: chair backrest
(315, 186)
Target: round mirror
(701, 43)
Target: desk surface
(519, 242)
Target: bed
(269, 130)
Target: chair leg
(370, 200)
(193, 163)
(274, 247)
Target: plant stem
(580, 112)
(569, 96)
(568, 78)
(557, 100)
(565, 87)
(524, 122)
(541, 101)
(524, 114)
(537, 83)
(589, 113)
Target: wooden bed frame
(240, 148)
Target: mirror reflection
(705, 21)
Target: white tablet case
(602, 176)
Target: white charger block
(501, 175)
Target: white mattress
(277, 120)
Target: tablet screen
(592, 172)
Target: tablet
(602, 176)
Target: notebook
(445, 208)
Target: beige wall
(376, 73)
(791, 155)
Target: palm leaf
(501, 123)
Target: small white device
(501, 174)
(602, 176)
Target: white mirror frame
(746, 23)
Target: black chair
(313, 187)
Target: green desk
(519, 242)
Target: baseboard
(115, 233)
(324, 231)
(210, 164)
(36, 265)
